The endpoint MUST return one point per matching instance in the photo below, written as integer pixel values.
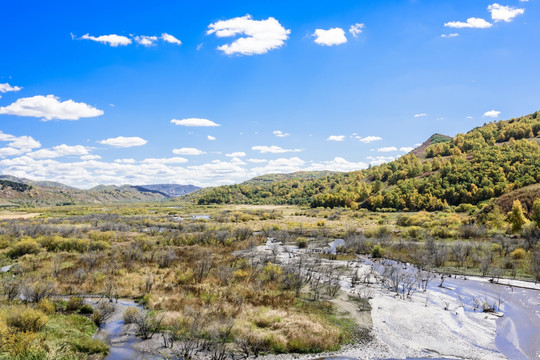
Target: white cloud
(4, 88)
(387, 149)
(188, 151)
(261, 35)
(338, 164)
(450, 35)
(475, 23)
(9, 151)
(335, 36)
(282, 165)
(406, 148)
(257, 161)
(237, 154)
(368, 139)
(194, 122)
(125, 161)
(211, 138)
(272, 149)
(48, 107)
(146, 40)
(419, 115)
(112, 39)
(336, 138)
(172, 160)
(170, 39)
(90, 157)
(280, 133)
(59, 151)
(503, 13)
(356, 29)
(22, 143)
(378, 160)
(492, 113)
(124, 142)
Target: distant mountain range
(20, 191)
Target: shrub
(301, 242)
(47, 306)
(130, 315)
(518, 254)
(74, 303)
(90, 346)
(27, 319)
(23, 247)
(377, 251)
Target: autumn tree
(516, 217)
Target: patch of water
(6, 268)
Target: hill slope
(485, 163)
(18, 191)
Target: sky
(213, 92)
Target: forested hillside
(485, 163)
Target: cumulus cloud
(503, 13)
(334, 36)
(4, 88)
(170, 39)
(237, 154)
(194, 122)
(49, 107)
(474, 23)
(378, 160)
(124, 142)
(146, 40)
(356, 29)
(112, 39)
(450, 35)
(90, 157)
(336, 138)
(171, 160)
(125, 161)
(387, 149)
(188, 151)
(257, 161)
(337, 164)
(419, 115)
(280, 133)
(59, 151)
(368, 139)
(261, 35)
(492, 113)
(22, 143)
(406, 148)
(211, 138)
(272, 149)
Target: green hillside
(485, 163)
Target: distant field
(6, 215)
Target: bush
(27, 319)
(301, 242)
(23, 247)
(131, 314)
(47, 306)
(90, 346)
(518, 254)
(377, 251)
(74, 303)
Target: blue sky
(89, 92)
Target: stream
(120, 336)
